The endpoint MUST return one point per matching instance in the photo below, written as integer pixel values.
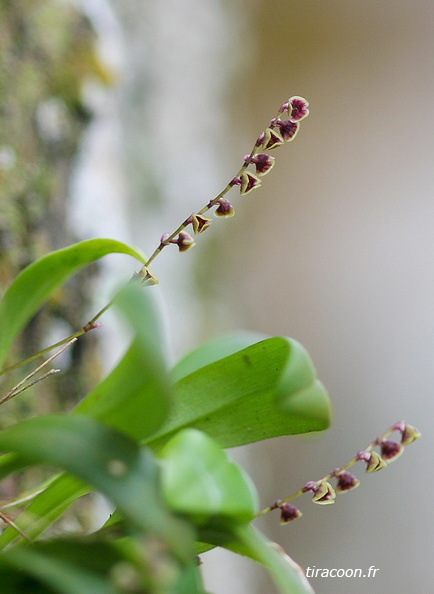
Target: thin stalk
(143, 271)
(12, 524)
(20, 387)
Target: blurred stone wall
(46, 54)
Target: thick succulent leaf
(265, 390)
(109, 461)
(134, 397)
(37, 281)
(199, 480)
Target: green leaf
(134, 397)
(199, 480)
(10, 463)
(213, 350)
(116, 401)
(285, 573)
(31, 570)
(76, 566)
(46, 507)
(245, 540)
(265, 390)
(35, 283)
(110, 461)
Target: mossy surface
(47, 53)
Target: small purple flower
(310, 486)
(399, 426)
(390, 450)
(184, 241)
(249, 182)
(288, 513)
(374, 461)
(146, 277)
(263, 163)
(346, 482)
(324, 493)
(288, 129)
(200, 223)
(410, 434)
(224, 209)
(271, 139)
(298, 108)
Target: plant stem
(20, 387)
(92, 323)
(12, 524)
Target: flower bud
(260, 139)
(288, 513)
(272, 138)
(399, 426)
(324, 493)
(346, 482)
(200, 223)
(310, 486)
(249, 182)
(288, 129)
(390, 450)
(224, 209)
(298, 108)
(263, 163)
(184, 241)
(409, 435)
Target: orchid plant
(152, 440)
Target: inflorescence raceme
(283, 128)
(324, 493)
